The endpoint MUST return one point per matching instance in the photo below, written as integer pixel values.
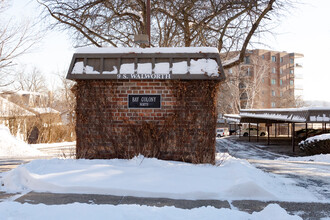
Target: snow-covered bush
(319, 144)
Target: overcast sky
(305, 30)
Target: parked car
(234, 132)
(221, 132)
(253, 132)
(310, 132)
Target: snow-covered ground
(149, 177)
(311, 173)
(11, 147)
(242, 172)
(13, 210)
(320, 158)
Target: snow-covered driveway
(312, 173)
(243, 150)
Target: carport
(289, 116)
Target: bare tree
(66, 99)
(256, 82)
(225, 24)
(243, 86)
(16, 39)
(32, 81)
(99, 22)
(290, 100)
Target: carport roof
(288, 115)
(232, 118)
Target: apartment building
(269, 79)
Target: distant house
(26, 98)
(15, 117)
(26, 116)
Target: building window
(291, 71)
(242, 85)
(281, 93)
(248, 72)
(244, 96)
(291, 82)
(247, 60)
(274, 59)
(281, 71)
(263, 80)
(273, 70)
(281, 59)
(291, 60)
(273, 82)
(273, 104)
(281, 82)
(263, 57)
(273, 93)
(230, 71)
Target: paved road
(304, 210)
(8, 164)
(66, 150)
(243, 150)
(314, 176)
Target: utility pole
(148, 21)
(144, 39)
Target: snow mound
(12, 147)
(149, 177)
(249, 189)
(15, 210)
(273, 211)
(322, 158)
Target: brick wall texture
(183, 129)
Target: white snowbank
(14, 210)
(12, 147)
(322, 158)
(149, 177)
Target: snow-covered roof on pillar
(146, 63)
(291, 115)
